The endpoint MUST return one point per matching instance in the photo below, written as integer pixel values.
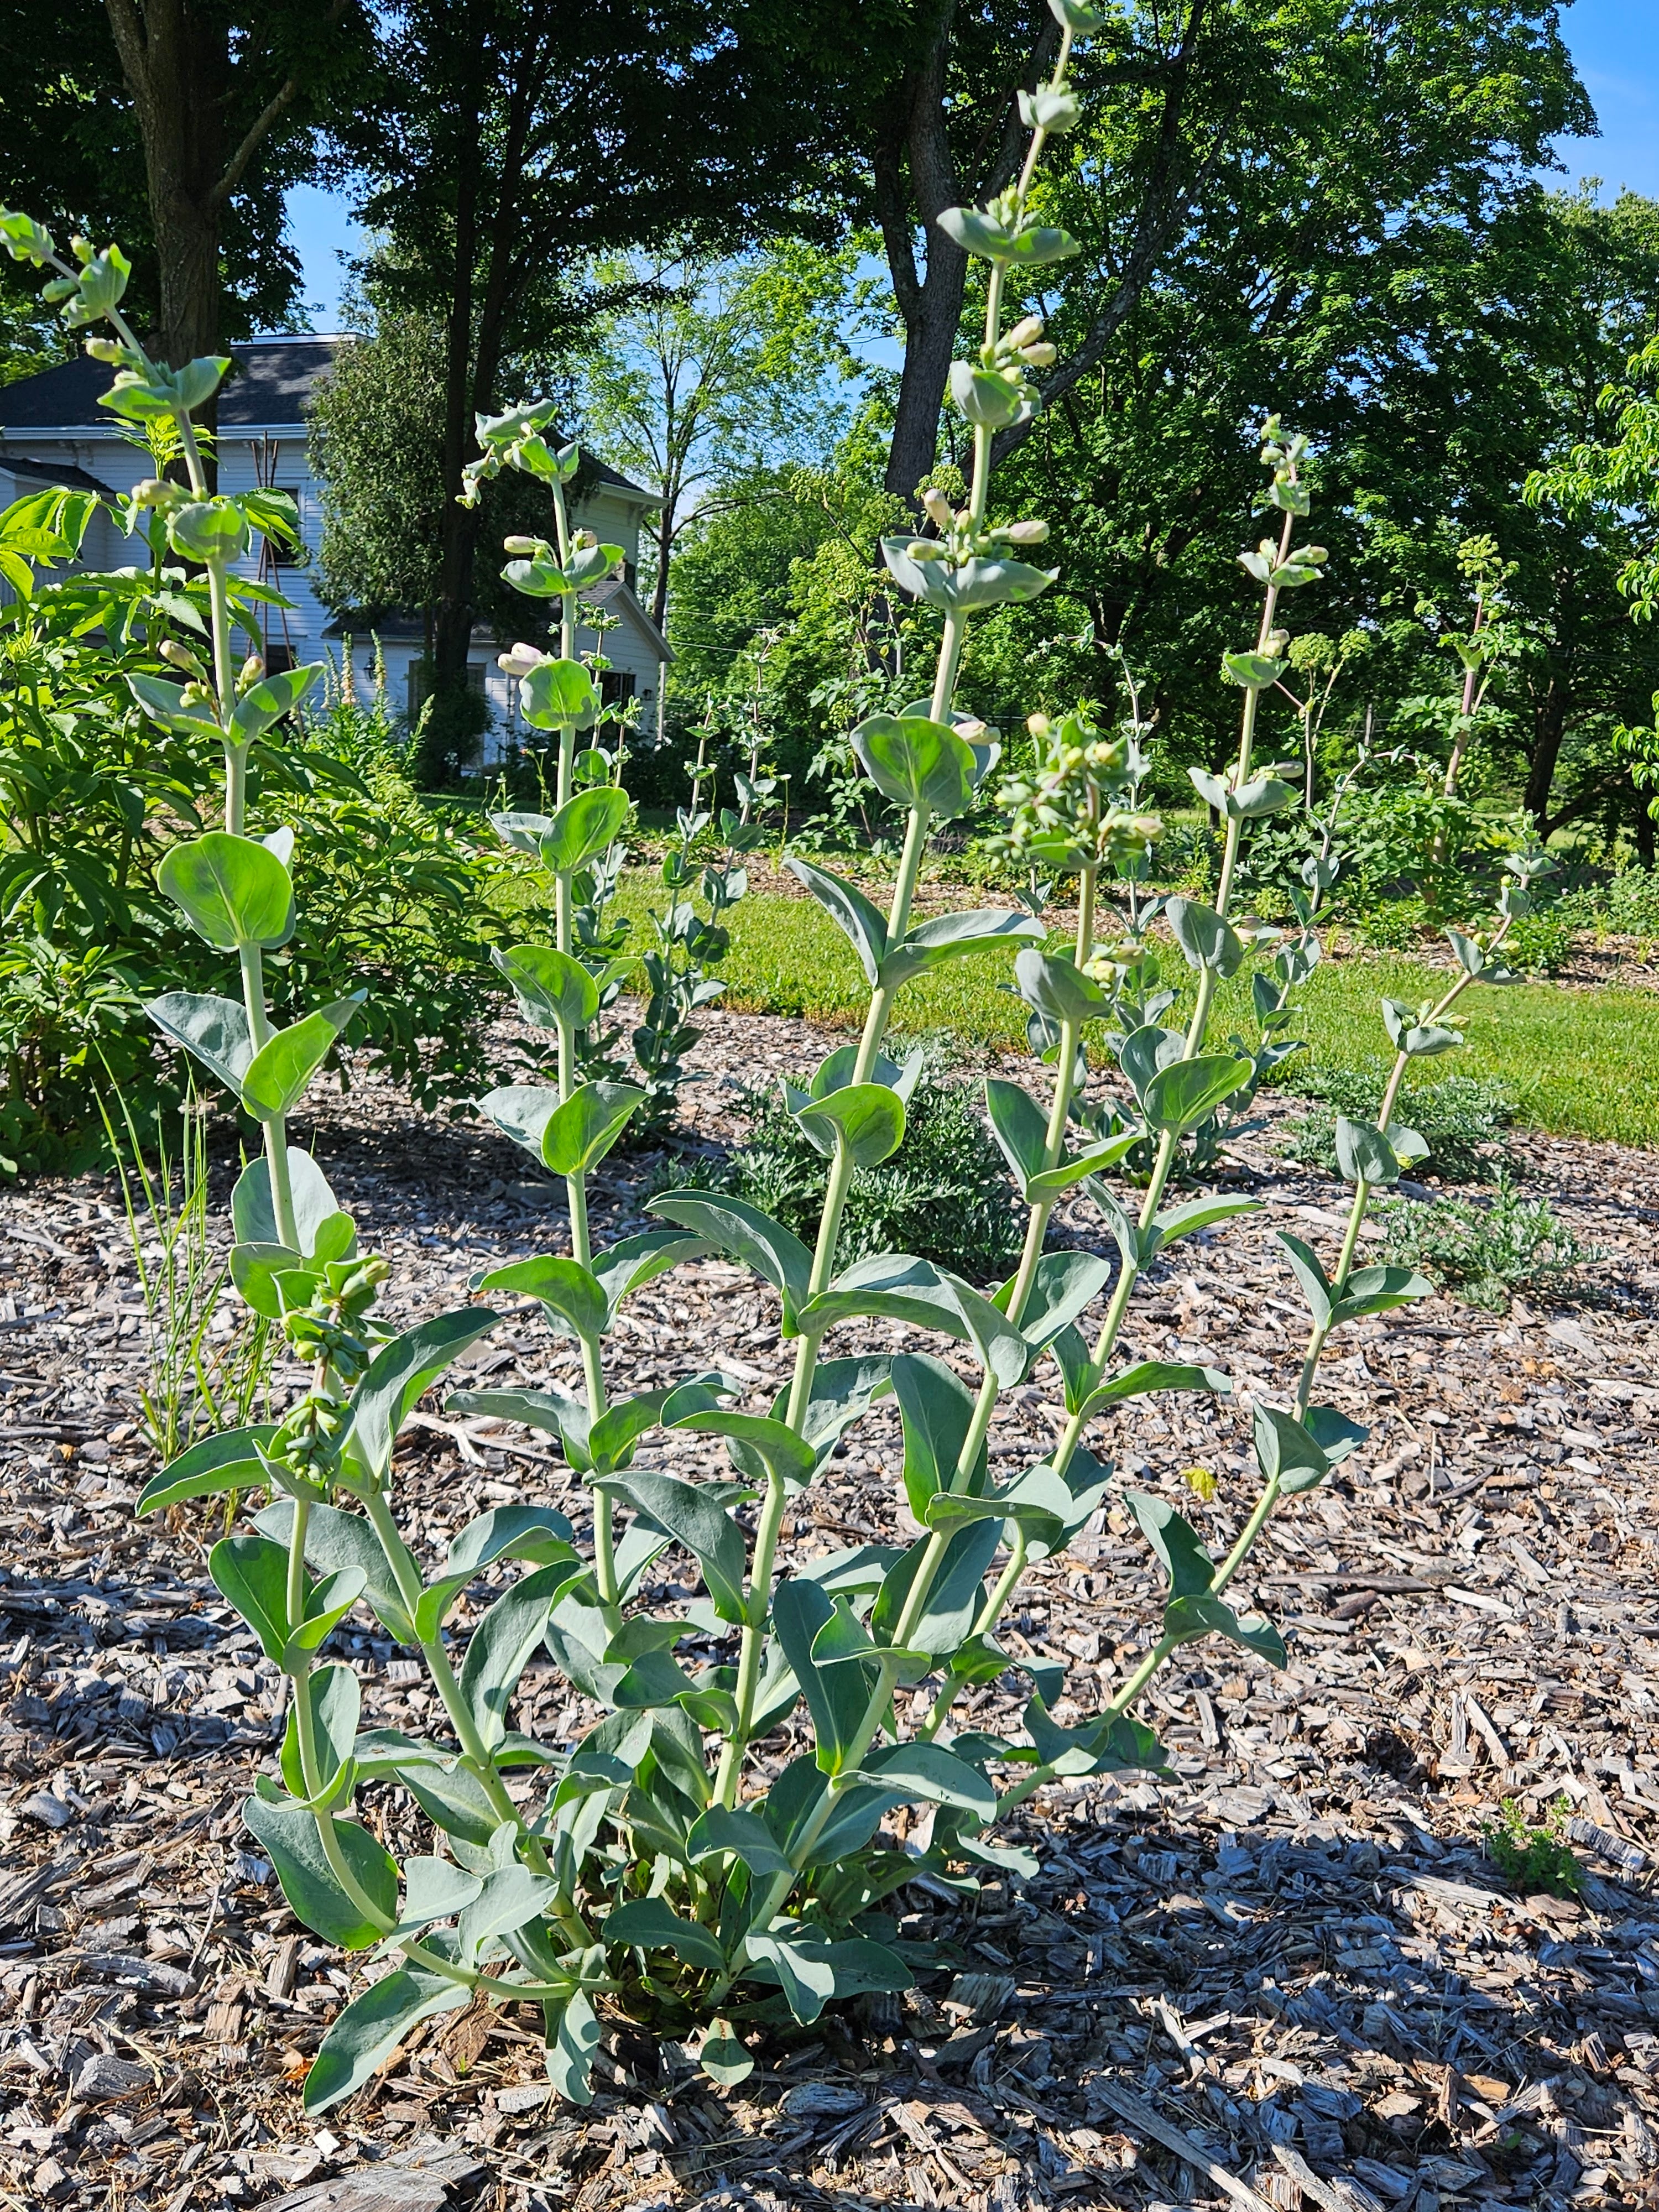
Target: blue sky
(1614, 42)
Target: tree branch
(280, 101)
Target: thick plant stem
(276, 1130)
(841, 1171)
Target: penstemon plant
(664, 1866)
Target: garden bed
(1294, 1975)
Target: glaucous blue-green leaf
(916, 763)
(1334, 1432)
(288, 1835)
(1252, 672)
(164, 703)
(1032, 246)
(535, 1532)
(1205, 939)
(1181, 1095)
(335, 1698)
(836, 1696)
(1364, 1154)
(1062, 1285)
(790, 1460)
(213, 1031)
(506, 1897)
(211, 530)
(583, 827)
(944, 937)
(263, 704)
(633, 1262)
(434, 1889)
(865, 1120)
(734, 1226)
(936, 1409)
(723, 2058)
(1149, 1375)
(861, 922)
(1246, 802)
(742, 1835)
(893, 1287)
(650, 1923)
(929, 1772)
(570, 1293)
(1286, 1453)
(1306, 1266)
(1188, 1619)
(981, 583)
(1175, 1543)
(806, 1977)
(326, 1607)
(1378, 1290)
(502, 1644)
(232, 891)
(523, 832)
(1019, 1126)
(953, 1598)
(335, 1541)
(577, 1135)
(252, 1573)
(556, 694)
(229, 1461)
(1145, 1051)
(398, 1376)
(277, 1076)
(553, 1413)
(1178, 1221)
(699, 1523)
(573, 2036)
(1054, 1181)
(372, 2026)
(453, 1799)
(1053, 983)
(552, 987)
(253, 1214)
(1411, 1034)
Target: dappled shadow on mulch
(1292, 1976)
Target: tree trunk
(452, 624)
(1549, 727)
(176, 59)
(473, 366)
(916, 179)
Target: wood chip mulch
(1294, 1977)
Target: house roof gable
(268, 389)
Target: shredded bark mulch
(1297, 1976)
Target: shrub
(945, 1194)
(1460, 1118)
(1535, 1859)
(1485, 1252)
(662, 1869)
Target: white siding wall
(283, 462)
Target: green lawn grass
(1583, 1063)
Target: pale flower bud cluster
(959, 539)
(1064, 810)
(522, 657)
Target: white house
(52, 431)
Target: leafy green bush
(1541, 944)
(945, 1194)
(1460, 1118)
(1484, 1253)
(663, 1871)
(1627, 905)
(1535, 1859)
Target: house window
(279, 658)
(617, 684)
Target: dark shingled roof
(64, 473)
(268, 387)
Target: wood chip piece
(1141, 2114)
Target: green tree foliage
(716, 370)
(178, 129)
